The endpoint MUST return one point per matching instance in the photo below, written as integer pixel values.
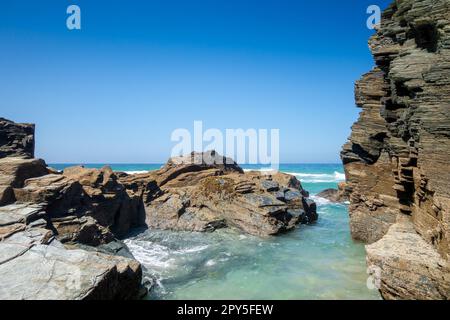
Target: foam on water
(319, 177)
(136, 171)
(306, 177)
(320, 201)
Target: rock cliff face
(16, 139)
(397, 160)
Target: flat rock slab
(407, 267)
(33, 268)
(20, 213)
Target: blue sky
(116, 89)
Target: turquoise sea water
(318, 261)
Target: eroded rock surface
(16, 139)
(35, 266)
(203, 197)
(60, 231)
(13, 173)
(397, 160)
(79, 192)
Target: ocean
(319, 261)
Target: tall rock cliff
(397, 160)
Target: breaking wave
(309, 177)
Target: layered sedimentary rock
(397, 160)
(35, 266)
(42, 257)
(205, 191)
(80, 192)
(58, 231)
(13, 173)
(16, 139)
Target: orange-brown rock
(80, 192)
(194, 194)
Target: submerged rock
(397, 160)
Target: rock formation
(41, 243)
(60, 231)
(35, 266)
(16, 139)
(397, 160)
(205, 191)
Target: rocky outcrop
(16, 139)
(78, 193)
(13, 173)
(397, 160)
(58, 230)
(35, 266)
(192, 194)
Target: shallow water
(313, 262)
(318, 261)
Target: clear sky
(116, 89)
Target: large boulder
(206, 196)
(58, 230)
(16, 139)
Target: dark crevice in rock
(426, 36)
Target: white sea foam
(320, 201)
(339, 176)
(191, 250)
(308, 177)
(157, 256)
(319, 177)
(150, 254)
(210, 263)
(136, 172)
